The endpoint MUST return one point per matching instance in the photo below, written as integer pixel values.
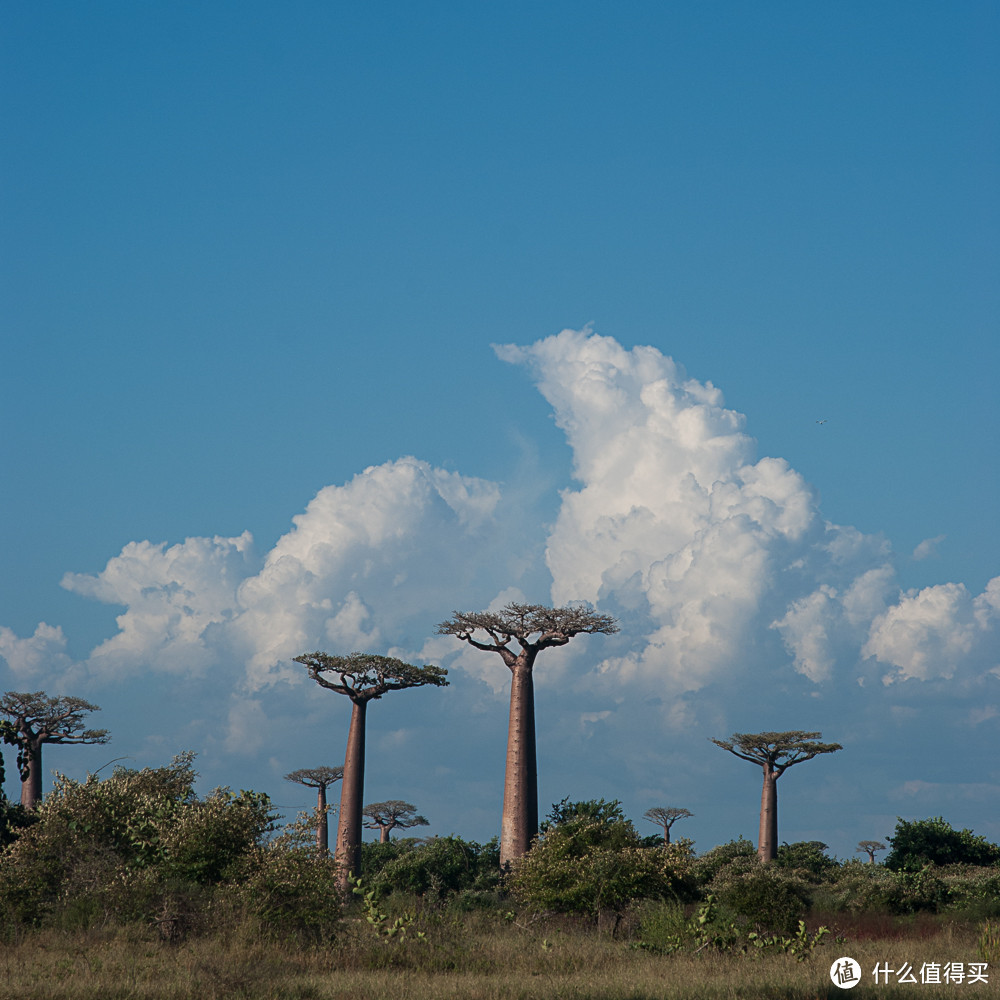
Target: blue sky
(256, 260)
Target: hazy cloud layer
(718, 562)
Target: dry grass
(466, 957)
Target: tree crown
(315, 777)
(666, 814)
(38, 718)
(777, 752)
(392, 813)
(550, 626)
(365, 676)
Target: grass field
(475, 956)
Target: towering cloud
(718, 562)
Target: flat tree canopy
(552, 626)
(776, 751)
(366, 676)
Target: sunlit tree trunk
(767, 842)
(519, 822)
(351, 798)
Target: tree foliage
(391, 815)
(34, 719)
(590, 859)
(519, 622)
(933, 841)
(367, 676)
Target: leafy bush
(862, 887)
(712, 862)
(772, 899)
(933, 841)
(439, 867)
(117, 847)
(590, 859)
(808, 859)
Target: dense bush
(712, 862)
(808, 859)
(140, 844)
(439, 867)
(771, 898)
(592, 859)
(862, 887)
(933, 841)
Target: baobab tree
(666, 816)
(363, 677)
(532, 627)
(36, 719)
(870, 847)
(319, 778)
(391, 815)
(775, 753)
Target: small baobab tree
(35, 719)
(319, 778)
(391, 815)
(518, 633)
(363, 677)
(871, 848)
(775, 753)
(666, 816)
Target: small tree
(666, 816)
(775, 753)
(319, 778)
(363, 677)
(36, 719)
(870, 847)
(518, 633)
(388, 816)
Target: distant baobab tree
(36, 719)
(319, 778)
(775, 753)
(391, 815)
(870, 847)
(363, 677)
(666, 816)
(518, 633)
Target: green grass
(468, 956)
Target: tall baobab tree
(319, 778)
(666, 816)
(363, 677)
(37, 719)
(775, 753)
(391, 815)
(870, 847)
(519, 632)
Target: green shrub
(862, 887)
(438, 868)
(808, 859)
(933, 841)
(590, 859)
(117, 849)
(712, 862)
(770, 898)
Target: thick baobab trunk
(520, 789)
(323, 825)
(767, 841)
(352, 791)
(383, 834)
(31, 786)
(666, 835)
